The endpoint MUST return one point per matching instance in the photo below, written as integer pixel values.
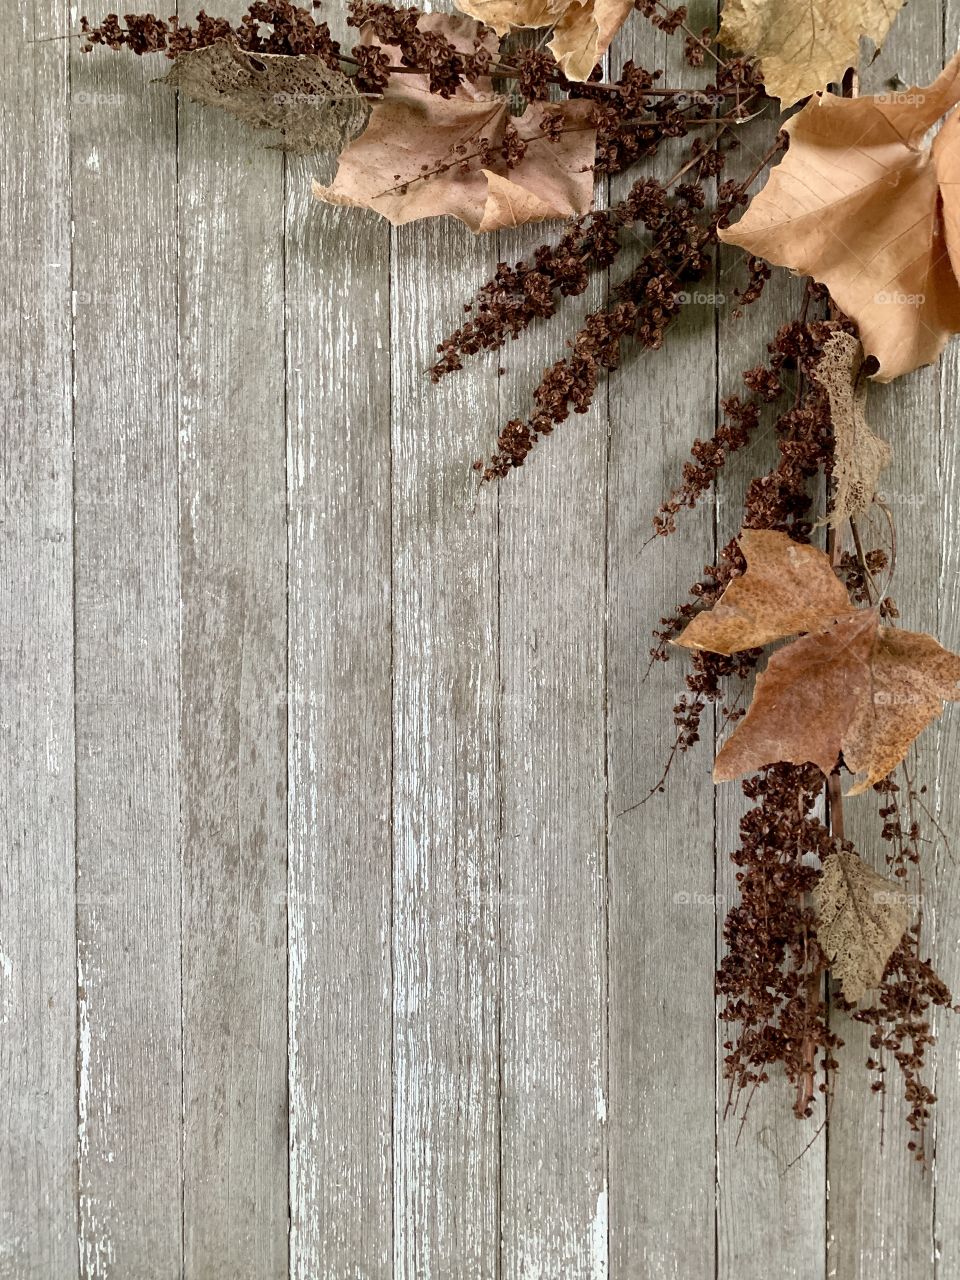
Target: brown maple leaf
(859, 204)
(422, 156)
(804, 45)
(582, 29)
(850, 686)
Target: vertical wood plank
(445, 801)
(881, 1206)
(946, 950)
(127, 660)
(661, 857)
(341, 1028)
(771, 1174)
(553, 854)
(38, 1208)
(234, 682)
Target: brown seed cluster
(430, 52)
(268, 26)
(641, 309)
(771, 978)
(900, 1023)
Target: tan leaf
(804, 45)
(510, 205)
(788, 587)
(859, 455)
(856, 204)
(862, 917)
(582, 33)
(308, 104)
(850, 686)
(409, 162)
(511, 15)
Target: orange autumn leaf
(850, 686)
(582, 31)
(422, 156)
(859, 204)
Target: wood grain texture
(233, 629)
(881, 1205)
(445, 790)
(321, 768)
(38, 1210)
(946, 1052)
(127, 671)
(340, 751)
(552, 607)
(661, 857)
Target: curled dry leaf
(850, 686)
(804, 45)
(862, 917)
(788, 587)
(582, 29)
(861, 206)
(308, 104)
(859, 455)
(421, 156)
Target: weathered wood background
(333, 943)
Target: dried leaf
(859, 455)
(582, 33)
(505, 16)
(788, 587)
(406, 164)
(946, 158)
(912, 677)
(308, 104)
(850, 686)
(803, 702)
(804, 45)
(862, 917)
(857, 203)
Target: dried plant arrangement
(451, 115)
